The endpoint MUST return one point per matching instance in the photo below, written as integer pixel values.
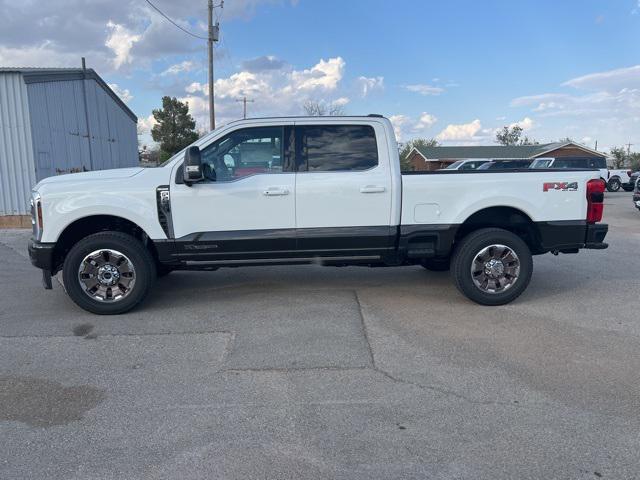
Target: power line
(174, 23)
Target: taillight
(595, 199)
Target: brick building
(434, 158)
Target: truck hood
(112, 174)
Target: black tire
(613, 185)
(465, 253)
(163, 271)
(436, 264)
(627, 188)
(139, 256)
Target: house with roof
(55, 121)
(434, 158)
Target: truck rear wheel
(108, 273)
(492, 266)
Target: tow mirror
(192, 169)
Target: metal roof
(40, 75)
(498, 151)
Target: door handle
(275, 192)
(372, 189)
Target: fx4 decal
(563, 186)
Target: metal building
(56, 121)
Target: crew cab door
(245, 207)
(343, 189)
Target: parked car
(633, 178)
(332, 194)
(614, 179)
(505, 165)
(636, 193)
(465, 165)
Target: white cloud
(324, 75)
(610, 81)
(196, 87)
(461, 132)
(275, 91)
(424, 89)
(399, 122)
(123, 93)
(601, 105)
(426, 121)
(111, 35)
(525, 124)
(145, 124)
(368, 84)
(185, 66)
(120, 41)
(41, 55)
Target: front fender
(61, 210)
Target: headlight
(36, 215)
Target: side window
(243, 153)
(334, 148)
(597, 163)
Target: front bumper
(41, 254)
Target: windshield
(541, 163)
(454, 165)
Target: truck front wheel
(613, 185)
(108, 273)
(491, 266)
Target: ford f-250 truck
(305, 190)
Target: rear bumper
(572, 235)
(595, 236)
(41, 254)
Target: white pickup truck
(305, 190)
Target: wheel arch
(508, 218)
(88, 225)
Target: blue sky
(454, 70)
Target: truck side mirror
(192, 169)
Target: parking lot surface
(310, 372)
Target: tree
(406, 148)
(320, 109)
(513, 136)
(174, 128)
(634, 161)
(619, 155)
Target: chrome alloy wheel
(495, 268)
(106, 275)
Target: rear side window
(336, 148)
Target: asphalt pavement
(310, 372)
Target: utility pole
(629, 149)
(244, 101)
(214, 31)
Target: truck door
(245, 207)
(343, 189)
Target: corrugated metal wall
(114, 134)
(61, 139)
(17, 172)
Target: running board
(212, 264)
